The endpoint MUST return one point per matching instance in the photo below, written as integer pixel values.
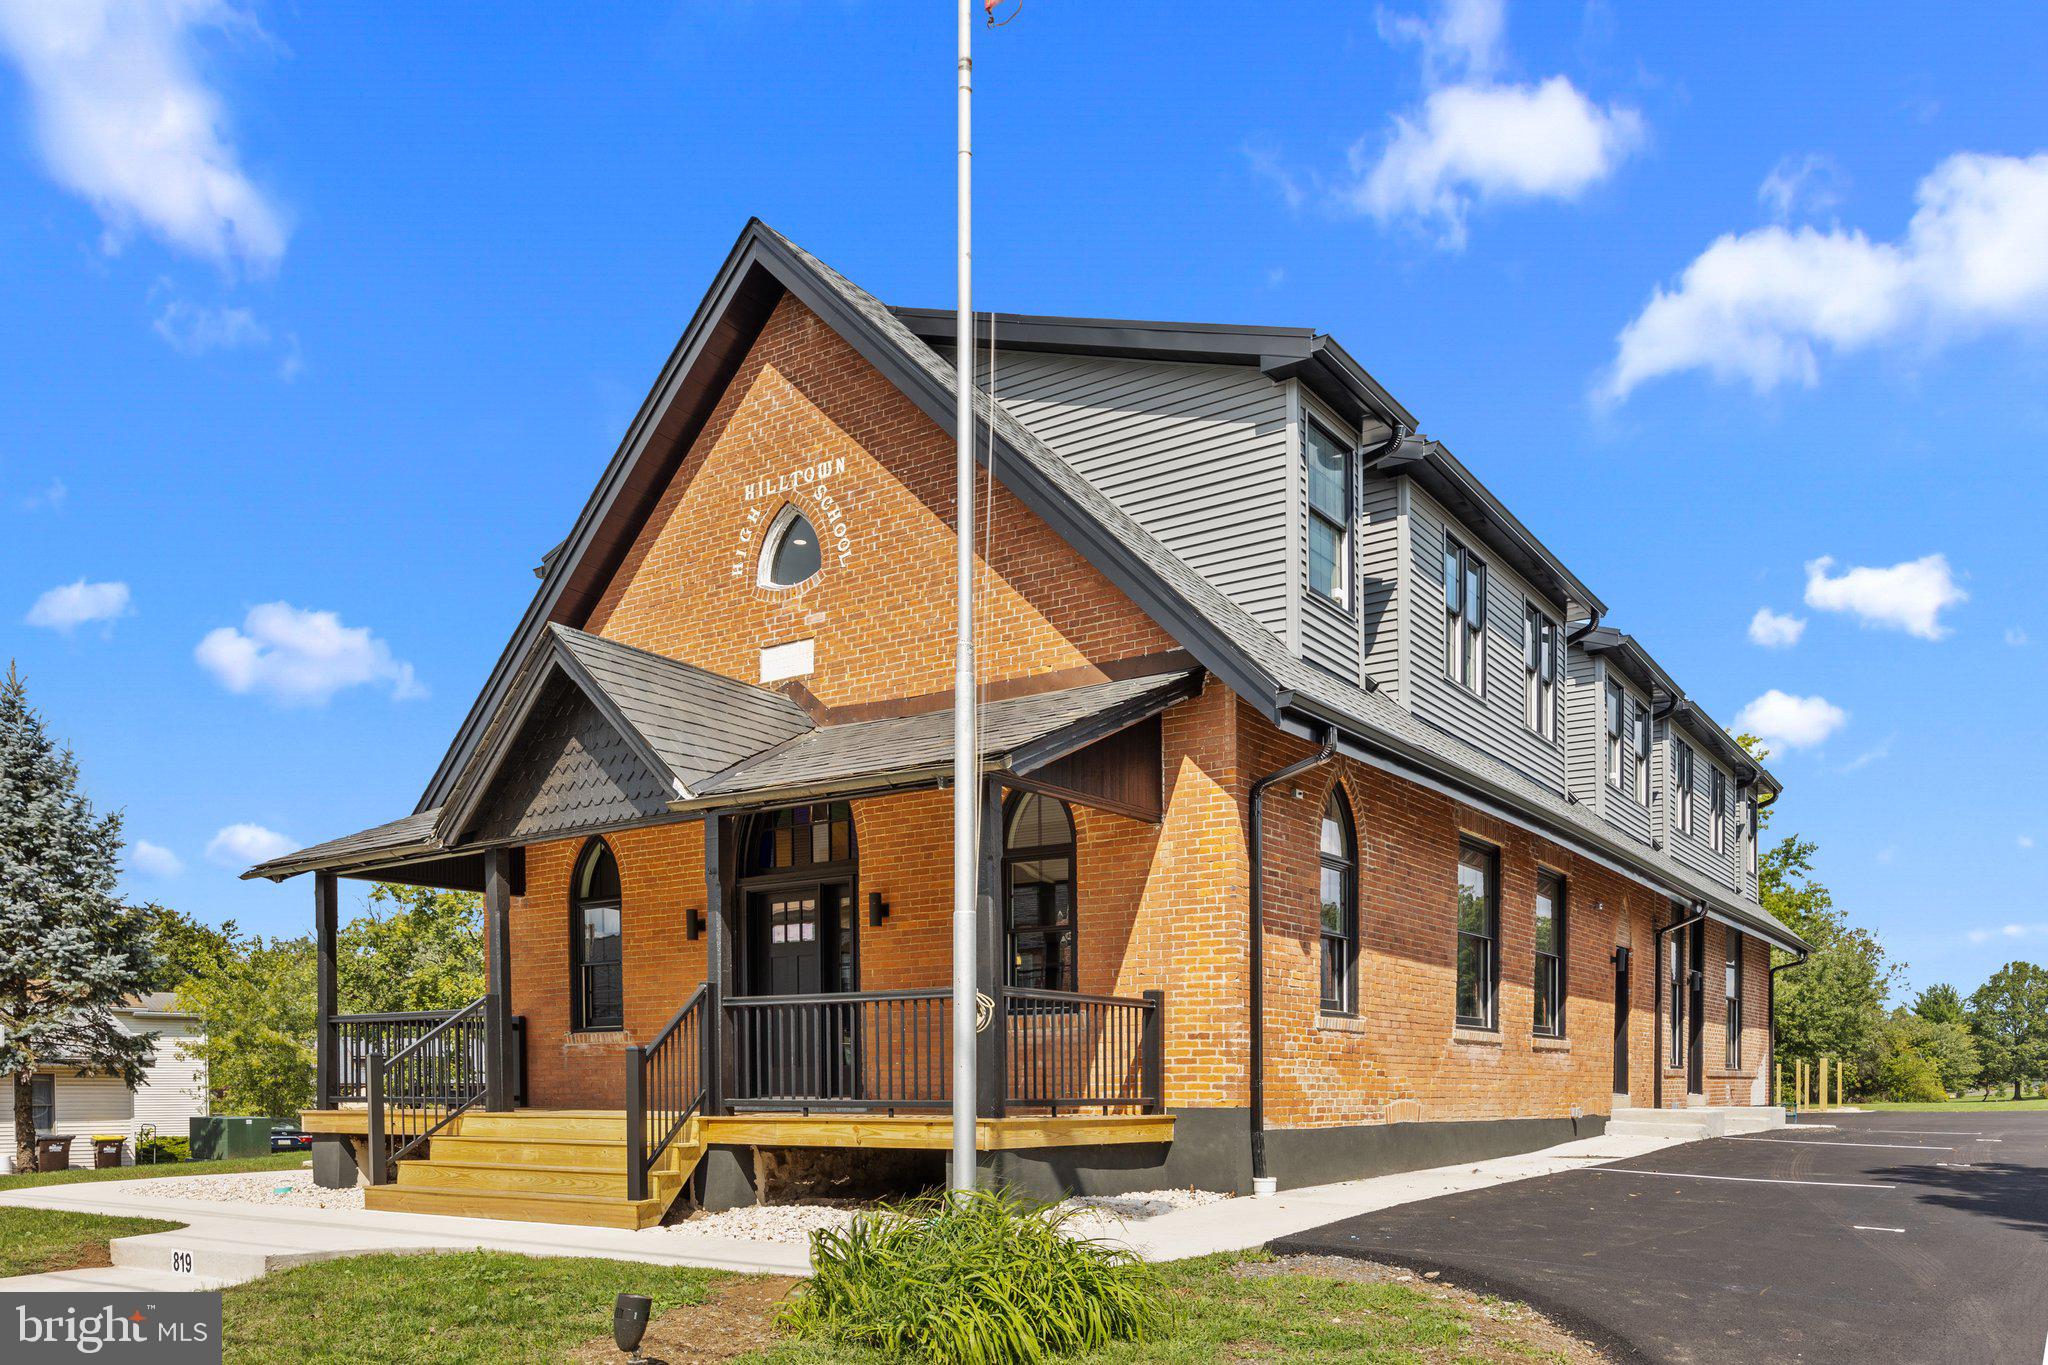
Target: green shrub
(159, 1151)
(981, 1279)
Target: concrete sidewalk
(228, 1243)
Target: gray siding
(1624, 806)
(1196, 454)
(1379, 592)
(1696, 850)
(1494, 718)
(1585, 726)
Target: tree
(2009, 1017)
(256, 1010)
(1946, 1044)
(1940, 1004)
(1834, 1004)
(184, 945)
(69, 951)
(415, 949)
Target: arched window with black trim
(790, 554)
(597, 986)
(1038, 891)
(1338, 852)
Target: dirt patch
(1501, 1328)
(738, 1319)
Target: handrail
(424, 1086)
(667, 1084)
(1066, 1050)
(353, 1037)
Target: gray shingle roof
(395, 839)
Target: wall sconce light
(693, 923)
(878, 909)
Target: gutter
(1657, 1005)
(1262, 1181)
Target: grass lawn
(33, 1241)
(1952, 1106)
(275, 1161)
(488, 1307)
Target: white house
(173, 1089)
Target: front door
(1621, 1021)
(1695, 1009)
(800, 943)
(788, 940)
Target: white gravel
(290, 1188)
(793, 1224)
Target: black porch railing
(1062, 1050)
(418, 1090)
(665, 1085)
(351, 1038)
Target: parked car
(285, 1138)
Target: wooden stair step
(542, 1124)
(603, 1154)
(450, 1175)
(580, 1210)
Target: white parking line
(1745, 1179)
(1816, 1142)
(1861, 1228)
(1917, 1132)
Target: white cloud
(72, 605)
(52, 497)
(1760, 306)
(154, 859)
(243, 845)
(2016, 636)
(1787, 722)
(1477, 139)
(123, 118)
(1266, 164)
(2007, 931)
(1909, 596)
(1881, 752)
(194, 329)
(298, 657)
(1800, 185)
(2025, 840)
(1773, 631)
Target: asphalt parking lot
(1887, 1238)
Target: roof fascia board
(1122, 338)
(1028, 757)
(1449, 482)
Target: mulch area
(738, 1319)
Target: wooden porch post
(498, 1083)
(718, 964)
(326, 898)
(991, 1076)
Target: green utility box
(214, 1138)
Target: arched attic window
(790, 553)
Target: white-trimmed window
(1681, 785)
(1717, 788)
(1464, 616)
(789, 552)
(1539, 671)
(1617, 706)
(1642, 754)
(1329, 514)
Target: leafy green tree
(2009, 1016)
(1834, 1003)
(1946, 1044)
(256, 1010)
(415, 949)
(184, 945)
(1940, 1004)
(69, 951)
(1899, 1071)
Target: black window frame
(1337, 961)
(582, 971)
(1645, 736)
(1071, 930)
(1465, 594)
(1616, 721)
(1346, 556)
(1550, 966)
(1675, 967)
(1717, 791)
(1539, 671)
(1488, 943)
(1683, 774)
(1731, 987)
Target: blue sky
(343, 311)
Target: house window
(1677, 1010)
(1681, 785)
(1339, 852)
(1642, 755)
(1749, 835)
(1550, 954)
(1478, 935)
(1539, 669)
(1038, 882)
(1717, 789)
(1464, 615)
(43, 1102)
(789, 552)
(1616, 705)
(597, 974)
(1732, 985)
(1329, 515)
(799, 836)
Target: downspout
(1657, 1019)
(1262, 1183)
(1771, 1023)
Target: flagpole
(966, 758)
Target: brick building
(1275, 693)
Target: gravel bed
(793, 1224)
(294, 1189)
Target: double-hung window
(1478, 935)
(1617, 703)
(1681, 785)
(1464, 616)
(42, 1108)
(1642, 754)
(1750, 836)
(1731, 975)
(597, 980)
(1550, 954)
(1717, 789)
(1329, 515)
(1676, 987)
(1339, 856)
(1539, 669)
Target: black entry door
(1695, 1007)
(788, 934)
(801, 944)
(1621, 1021)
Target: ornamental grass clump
(983, 1279)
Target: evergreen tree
(69, 951)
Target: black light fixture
(878, 909)
(693, 923)
(629, 1323)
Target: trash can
(53, 1153)
(107, 1150)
